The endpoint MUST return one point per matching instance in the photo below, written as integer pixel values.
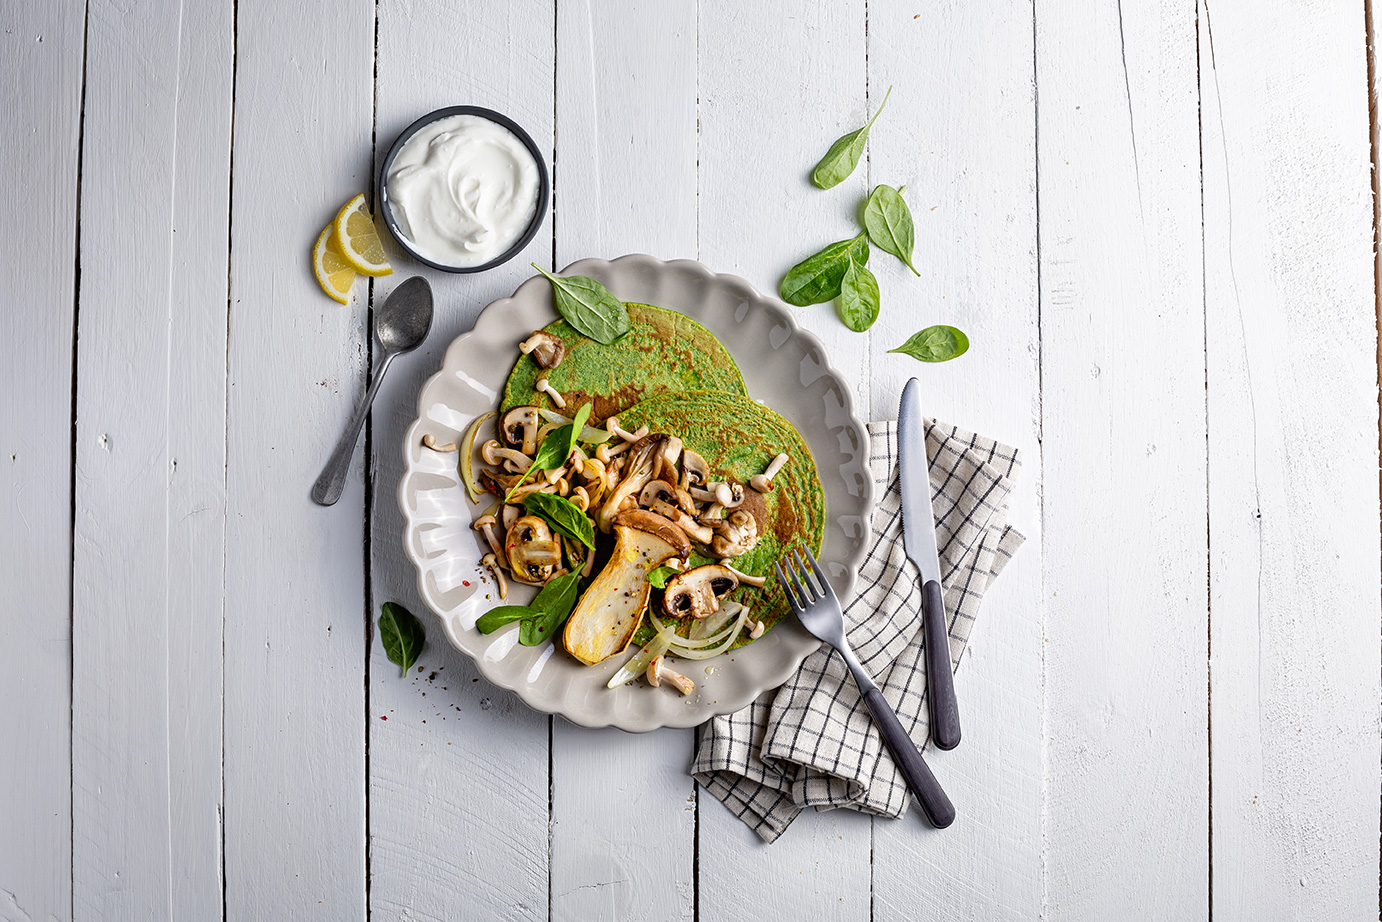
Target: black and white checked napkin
(812, 742)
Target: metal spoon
(401, 325)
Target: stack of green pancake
(672, 375)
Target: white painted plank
(769, 110)
(295, 600)
(1124, 461)
(40, 83)
(149, 532)
(1291, 328)
(959, 132)
(458, 771)
(623, 805)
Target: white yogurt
(463, 189)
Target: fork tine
(786, 589)
(807, 597)
(819, 573)
(816, 590)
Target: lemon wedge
(334, 274)
(358, 241)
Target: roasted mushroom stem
(699, 592)
(609, 612)
(695, 473)
(547, 349)
(757, 582)
(485, 524)
(545, 386)
(637, 472)
(491, 561)
(496, 454)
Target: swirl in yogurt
(463, 189)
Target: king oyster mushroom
(737, 534)
(519, 427)
(662, 498)
(699, 592)
(609, 612)
(638, 470)
(532, 552)
(546, 348)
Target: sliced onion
(588, 435)
(707, 627)
(638, 664)
(698, 653)
(472, 487)
(692, 643)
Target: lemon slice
(334, 274)
(358, 240)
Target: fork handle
(945, 710)
(939, 810)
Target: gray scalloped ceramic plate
(784, 367)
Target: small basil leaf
(844, 154)
(401, 634)
(816, 279)
(935, 344)
(889, 223)
(496, 618)
(563, 515)
(858, 298)
(659, 577)
(588, 306)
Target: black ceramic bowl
(544, 187)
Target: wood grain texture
(1122, 358)
(759, 215)
(959, 132)
(1293, 470)
(295, 598)
(623, 806)
(458, 768)
(149, 531)
(40, 85)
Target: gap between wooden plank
(1370, 34)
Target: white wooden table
(1155, 222)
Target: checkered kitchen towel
(812, 741)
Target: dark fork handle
(939, 810)
(945, 710)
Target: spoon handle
(331, 483)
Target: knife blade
(919, 541)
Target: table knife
(919, 541)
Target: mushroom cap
(654, 524)
(520, 425)
(698, 592)
(547, 349)
(694, 471)
(738, 534)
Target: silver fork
(818, 610)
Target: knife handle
(940, 681)
(938, 808)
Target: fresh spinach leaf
(554, 603)
(858, 298)
(844, 154)
(935, 344)
(817, 278)
(496, 618)
(888, 221)
(588, 306)
(402, 635)
(659, 577)
(563, 515)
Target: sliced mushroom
(485, 525)
(547, 349)
(491, 561)
(658, 670)
(667, 458)
(738, 534)
(497, 454)
(519, 427)
(532, 552)
(498, 483)
(638, 471)
(757, 582)
(763, 482)
(729, 493)
(695, 473)
(609, 612)
(545, 386)
(699, 592)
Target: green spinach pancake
(664, 351)
(738, 438)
